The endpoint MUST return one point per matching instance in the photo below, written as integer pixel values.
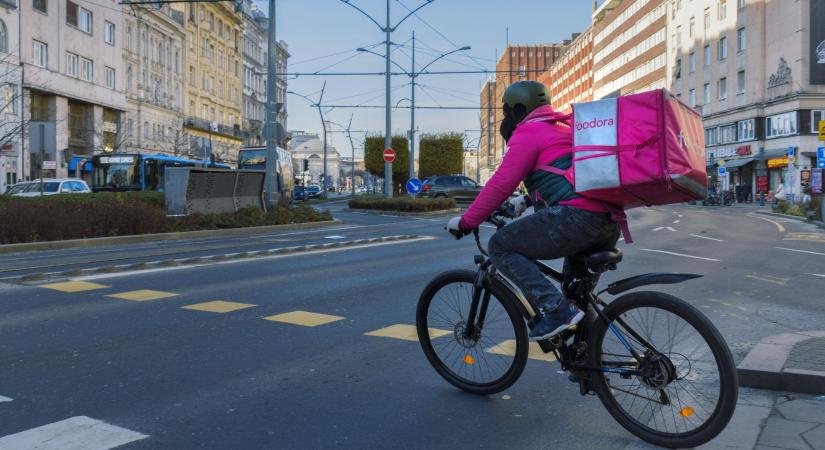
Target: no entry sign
(389, 155)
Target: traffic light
(306, 165)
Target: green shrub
(404, 204)
(795, 210)
(780, 207)
(59, 217)
(440, 154)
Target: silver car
(51, 186)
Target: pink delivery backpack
(639, 150)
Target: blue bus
(254, 158)
(136, 172)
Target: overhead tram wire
(441, 72)
(304, 61)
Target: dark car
(313, 191)
(459, 187)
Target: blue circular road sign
(414, 186)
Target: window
(4, 37)
(710, 136)
(191, 40)
(742, 4)
(745, 129)
(191, 76)
(723, 9)
(780, 124)
(692, 98)
(129, 127)
(9, 99)
(71, 64)
(677, 70)
(40, 54)
(692, 62)
(679, 36)
(727, 134)
(707, 94)
(722, 88)
(146, 130)
(78, 17)
(211, 21)
(86, 69)
(109, 32)
(522, 70)
(205, 111)
(212, 54)
(816, 117)
(109, 74)
(740, 40)
(706, 55)
(692, 27)
(723, 48)
(41, 5)
(129, 37)
(220, 89)
(202, 13)
(707, 22)
(740, 82)
(220, 27)
(220, 58)
(129, 77)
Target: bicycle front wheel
(680, 388)
(486, 362)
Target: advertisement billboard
(817, 31)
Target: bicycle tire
(728, 383)
(506, 300)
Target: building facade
(255, 63)
(570, 78)
(213, 93)
(760, 88)
(489, 139)
(11, 102)
(153, 60)
(310, 146)
(73, 94)
(629, 46)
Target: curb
(403, 213)
(818, 223)
(139, 238)
(764, 366)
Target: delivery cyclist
(540, 143)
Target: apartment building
(213, 92)
(755, 69)
(153, 60)
(73, 92)
(489, 139)
(570, 78)
(629, 46)
(11, 101)
(255, 40)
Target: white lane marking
(5, 399)
(664, 228)
(817, 275)
(357, 212)
(708, 238)
(779, 226)
(678, 254)
(234, 261)
(334, 237)
(800, 251)
(676, 221)
(489, 226)
(388, 215)
(769, 279)
(79, 432)
(679, 215)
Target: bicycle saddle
(604, 260)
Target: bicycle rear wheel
(682, 390)
(486, 363)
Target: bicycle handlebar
(505, 211)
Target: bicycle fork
(478, 307)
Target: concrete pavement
(314, 350)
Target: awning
(772, 153)
(736, 163)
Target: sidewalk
(797, 421)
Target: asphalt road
(152, 373)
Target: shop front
(739, 174)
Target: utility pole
(352, 147)
(272, 132)
(412, 111)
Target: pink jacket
(543, 136)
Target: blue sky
(316, 28)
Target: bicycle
(661, 396)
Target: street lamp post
(348, 129)
(388, 134)
(272, 132)
(323, 128)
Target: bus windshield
(252, 159)
(116, 172)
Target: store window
(780, 125)
(816, 117)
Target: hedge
(405, 204)
(440, 154)
(79, 216)
(374, 159)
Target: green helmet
(529, 94)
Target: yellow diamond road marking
(304, 318)
(404, 332)
(508, 348)
(74, 286)
(218, 306)
(142, 295)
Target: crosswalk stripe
(508, 348)
(74, 433)
(218, 306)
(142, 295)
(405, 332)
(73, 286)
(304, 318)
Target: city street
(139, 357)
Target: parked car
(461, 188)
(51, 186)
(299, 193)
(313, 191)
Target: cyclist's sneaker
(565, 316)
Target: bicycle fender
(617, 287)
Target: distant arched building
(309, 146)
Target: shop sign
(778, 162)
(49, 165)
(726, 152)
(117, 159)
(816, 181)
(743, 150)
(762, 184)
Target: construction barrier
(200, 190)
